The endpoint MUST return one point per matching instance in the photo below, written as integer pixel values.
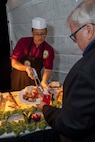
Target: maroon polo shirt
(22, 47)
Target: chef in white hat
(30, 56)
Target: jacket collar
(88, 47)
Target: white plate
(16, 117)
(27, 89)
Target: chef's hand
(44, 85)
(31, 72)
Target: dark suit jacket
(76, 120)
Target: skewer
(13, 99)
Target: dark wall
(5, 66)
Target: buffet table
(41, 132)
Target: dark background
(5, 65)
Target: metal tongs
(37, 82)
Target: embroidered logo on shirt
(45, 54)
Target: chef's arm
(45, 78)
(31, 72)
(17, 65)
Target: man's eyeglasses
(73, 35)
(38, 35)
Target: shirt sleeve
(20, 49)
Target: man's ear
(90, 30)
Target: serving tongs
(37, 81)
(38, 85)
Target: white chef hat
(39, 23)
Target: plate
(16, 117)
(28, 89)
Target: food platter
(22, 122)
(28, 89)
